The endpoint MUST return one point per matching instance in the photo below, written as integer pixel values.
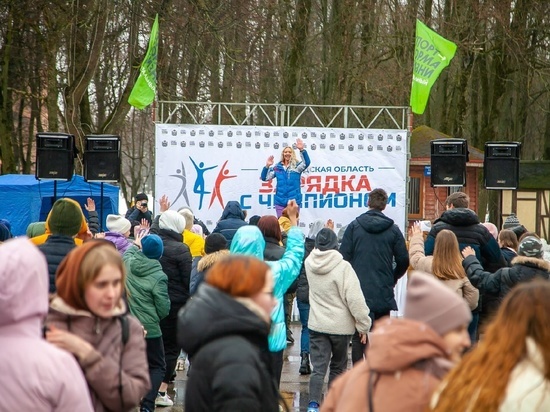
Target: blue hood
(248, 240)
(232, 210)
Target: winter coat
(55, 248)
(227, 342)
(371, 243)
(195, 243)
(503, 280)
(337, 306)
(232, 219)
(409, 359)
(176, 264)
(302, 288)
(273, 250)
(120, 241)
(135, 216)
(113, 363)
(37, 376)
(93, 222)
(249, 241)
(288, 180)
(464, 223)
(509, 254)
(147, 287)
(201, 265)
(462, 287)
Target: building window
(415, 196)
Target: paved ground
(294, 387)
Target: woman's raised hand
(269, 161)
(299, 144)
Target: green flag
(144, 90)
(432, 53)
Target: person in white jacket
(509, 370)
(337, 309)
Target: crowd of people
(97, 321)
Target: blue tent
(24, 200)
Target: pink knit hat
(430, 301)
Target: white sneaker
(163, 400)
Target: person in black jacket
(139, 211)
(528, 265)
(64, 222)
(224, 330)
(231, 220)
(371, 243)
(176, 264)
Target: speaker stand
(54, 191)
(101, 209)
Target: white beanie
(118, 224)
(172, 220)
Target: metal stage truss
(289, 115)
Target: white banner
(205, 166)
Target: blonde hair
(293, 159)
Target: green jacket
(147, 287)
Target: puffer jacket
(41, 377)
(120, 241)
(249, 241)
(232, 219)
(227, 342)
(371, 243)
(409, 358)
(147, 290)
(55, 248)
(195, 243)
(288, 180)
(201, 265)
(112, 363)
(498, 284)
(462, 287)
(464, 223)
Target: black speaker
(102, 158)
(55, 153)
(501, 165)
(448, 162)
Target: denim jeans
(327, 352)
(157, 367)
(303, 308)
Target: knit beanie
(214, 243)
(141, 196)
(65, 218)
(4, 233)
(326, 239)
(315, 227)
(67, 281)
(530, 246)
(152, 247)
(6, 223)
(428, 300)
(511, 221)
(172, 220)
(36, 229)
(254, 220)
(118, 224)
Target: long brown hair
(447, 261)
(479, 382)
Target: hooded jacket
(503, 280)
(371, 243)
(337, 306)
(227, 343)
(419, 261)
(148, 290)
(409, 359)
(37, 375)
(288, 180)
(464, 223)
(112, 363)
(249, 241)
(231, 220)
